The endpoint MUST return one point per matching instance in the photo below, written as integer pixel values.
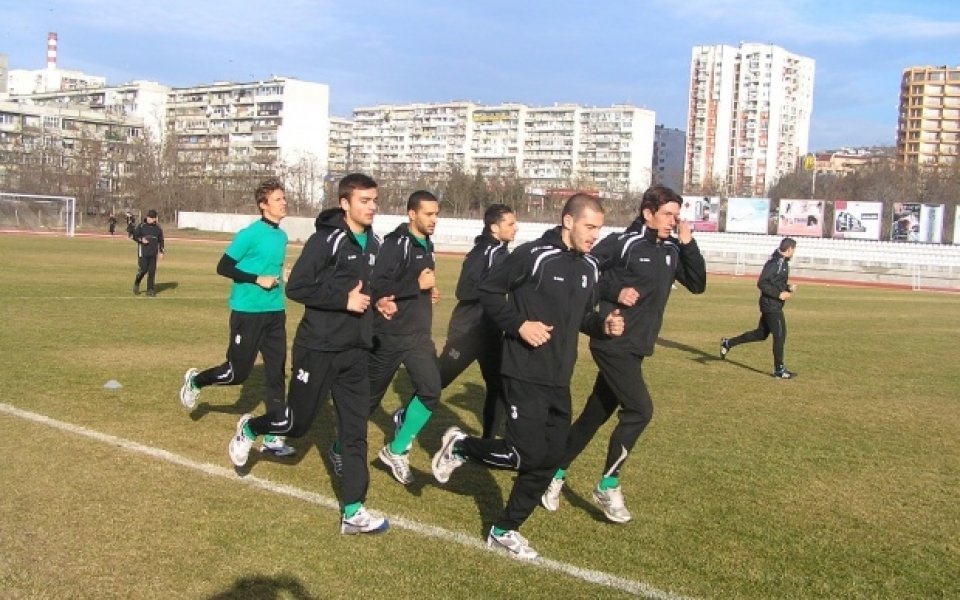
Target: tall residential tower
(748, 119)
(928, 131)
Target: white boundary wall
(866, 261)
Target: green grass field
(843, 483)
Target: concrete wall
(863, 261)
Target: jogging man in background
(541, 296)
(331, 278)
(638, 269)
(472, 335)
(258, 322)
(775, 290)
(149, 238)
(405, 273)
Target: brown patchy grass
(842, 483)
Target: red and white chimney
(52, 50)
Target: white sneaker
(399, 464)
(240, 444)
(188, 393)
(611, 501)
(445, 462)
(277, 446)
(363, 522)
(513, 544)
(551, 498)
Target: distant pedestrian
(775, 290)
(112, 224)
(149, 238)
(131, 224)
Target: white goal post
(33, 212)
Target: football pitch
(842, 483)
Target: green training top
(260, 249)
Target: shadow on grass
(261, 587)
(167, 285)
(698, 355)
(587, 505)
(706, 357)
(470, 480)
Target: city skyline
(537, 53)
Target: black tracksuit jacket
(397, 272)
(637, 258)
(330, 265)
(153, 234)
(772, 281)
(486, 253)
(545, 281)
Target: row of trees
(112, 176)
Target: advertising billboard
(800, 218)
(857, 220)
(915, 222)
(703, 213)
(747, 215)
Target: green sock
(560, 474)
(352, 509)
(415, 418)
(193, 386)
(498, 531)
(336, 446)
(248, 433)
(269, 438)
(608, 483)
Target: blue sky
(539, 52)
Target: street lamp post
(810, 164)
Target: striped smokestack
(52, 50)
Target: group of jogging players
(368, 309)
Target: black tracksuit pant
(417, 353)
(146, 265)
(484, 345)
(619, 384)
(343, 374)
(538, 423)
(770, 323)
(251, 333)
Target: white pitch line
(629, 586)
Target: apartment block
(247, 127)
(668, 157)
(609, 149)
(748, 119)
(847, 161)
(615, 149)
(928, 129)
(496, 140)
(550, 145)
(405, 141)
(58, 142)
(340, 159)
(144, 101)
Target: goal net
(30, 212)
